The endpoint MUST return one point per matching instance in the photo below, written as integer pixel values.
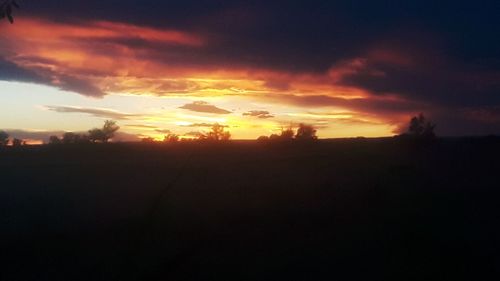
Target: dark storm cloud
(11, 72)
(204, 107)
(475, 121)
(425, 75)
(311, 36)
(297, 35)
(437, 56)
(74, 84)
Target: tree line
(216, 133)
(419, 128)
(4, 140)
(304, 133)
(102, 135)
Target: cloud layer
(383, 59)
(262, 114)
(97, 112)
(204, 107)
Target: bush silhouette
(4, 138)
(274, 137)
(420, 127)
(226, 136)
(96, 135)
(287, 134)
(148, 140)
(171, 138)
(18, 142)
(306, 132)
(69, 138)
(263, 138)
(54, 140)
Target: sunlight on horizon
(36, 108)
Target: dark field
(332, 210)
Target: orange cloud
(40, 30)
(100, 58)
(201, 106)
(262, 114)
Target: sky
(350, 68)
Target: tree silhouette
(6, 8)
(81, 138)
(68, 138)
(148, 140)
(420, 127)
(4, 138)
(96, 135)
(54, 140)
(202, 137)
(306, 132)
(287, 134)
(226, 136)
(18, 142)
(263, 138)
(105, 134)
(109, 129)
(274, 137)
(218, 133)
(171, 138)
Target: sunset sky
(350, 68)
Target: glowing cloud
(259, 114)
(201, 106)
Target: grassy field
(354, 209)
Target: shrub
(420, 127)
(4, 138)
(306, 132)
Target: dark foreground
(334, 210)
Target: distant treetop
(105, 134)
(421, 127)
(4, 138)
(304, 133)
(6, 8)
